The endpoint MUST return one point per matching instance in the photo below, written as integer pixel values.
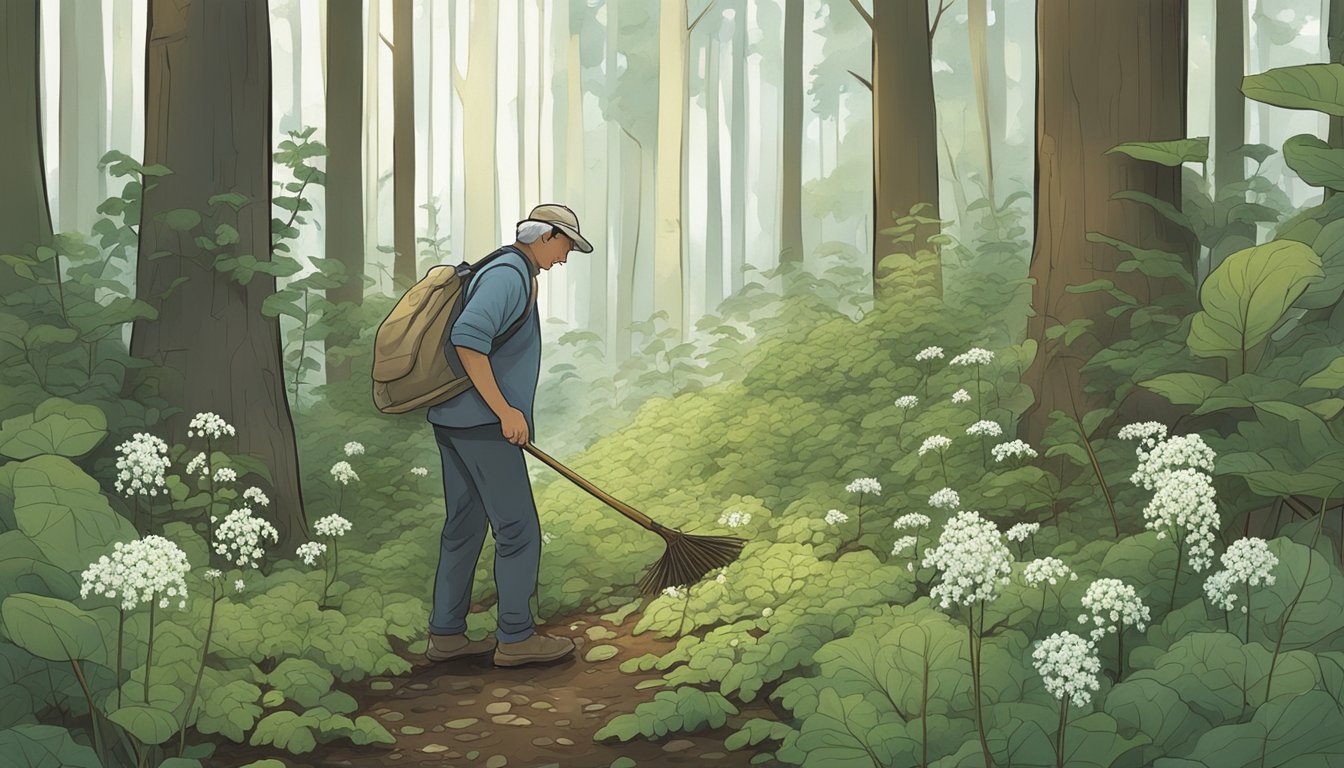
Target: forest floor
(468, 712)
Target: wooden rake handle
(603, 496)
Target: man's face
(552, 249)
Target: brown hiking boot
(535, 647)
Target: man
(480, 432)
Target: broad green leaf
(1332, 377)
(1183, 388)
(44, 746)
(181, 219)
(58, 427)
(51, 629)
(1246, 297)
(64, 512)
(301, 680)
(1306, 86)
(1315, 161)
(1170, 153)
(150, 725)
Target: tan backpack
(411, 368)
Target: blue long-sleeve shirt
(499, 296)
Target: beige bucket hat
(562, 218)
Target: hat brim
(580, 243)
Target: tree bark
(83, 103)
(714, 196)
(669, 267)
(122, 112)
(345, 165)
(293, 120)
(1229, 119)
(404, 266)
(477, 91)
(1107, 73)
(25, 218)
(738, 183)
(905, 138)
(977, 25)
(208, 119)
(1335, 41)
(791, 183)
(373, 167)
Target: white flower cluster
(674, 592)
(722, 576)
(907, 401)
(972, 559)
(911, 520)
(419, 471)
(239, 537)
(1047, 569)
(735, 519)
(1149, 433)
(197, 466)
(214, 573)
(1012, 449)
(255, 496)
(865, 485)
(929, 353)
(1111, 603)
(1247, 562)
(945, 498)
(1180, 452)
(1184, 502)
(934, 443)
(1068, 665)
(343, 473)
(354, 448)
(238, 585)
(209, 425)
(835, 517)
(961, 396)
(1021, 531)
(140, 571)
(332, 525)
(986, 428)
(310, 551)
(226, 475)
(546, 537)
(141, 465)
(973, 356)
(902, 544)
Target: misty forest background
(1129, 208)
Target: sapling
(1068, 665)
(972, 561)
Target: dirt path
(467, 712)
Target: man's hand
(514, 425)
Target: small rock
(432, 748)
(589, 671)
(564, 741)
(473, 754)
(419, 686)
(562, 722)
(622, 762)
(518, 698)
(594, 707)
(467, 736)
(677, 745)
(394, 756)
(380, 685)
(498, 707)
(411, 730)
(503, 719)
(543, 741)
(462, 722)
(499, 693)
(394, 716)
(437, 729)
(458, 685)
(520, 721)
(599, 633)
(466, 702)
(542, 705)
(496, 761)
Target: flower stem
(1120, 651)
(975, 681)
(121, 633)
(1063, 723)
(200, 672)
(1176, 577)
(149, 654)
(1288, 614)
(93, 710)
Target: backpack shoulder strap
(527, 282)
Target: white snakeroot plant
(1175, 453)
(1185, 508)
(1013, 449)
(906, 402)
(255, 496)
(1148, 433)
(546, 537)
(333, 527)
(140, 468)
(735, 519)
(972, 561)
(211, 427)
(1068, 665)
(1047, 572)
(903, 543)
(945, 498)
(835, 517)
(310, 551)
(1112, 606)
(343, 474)
(226, 475)
(1022, 531)
(961, 396)
(985, 429)
(419, 471)
(977, 357)
(862, 486)
(241, 536)
(1247, 563)
(197, 466)
(354, 448)
(927, 355)
(938, 443)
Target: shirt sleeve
(498, 299)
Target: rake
(688, 557)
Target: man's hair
(531, 231)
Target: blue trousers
(485, 480)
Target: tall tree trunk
(714, 173)
(977, 25)
(477, 91)
(791, 182)
(617, 302)
(1335, 41)
(905, 138)
(121, 97)
(738, 214)
(1107, 73)
(208, 119)
(373, 167)
(403, 145)
(25, 219)
(345, 166)
(83, 114)
(593, 298)
(998, 66)
(293, 119)
(1229, 120)
(668, 257)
